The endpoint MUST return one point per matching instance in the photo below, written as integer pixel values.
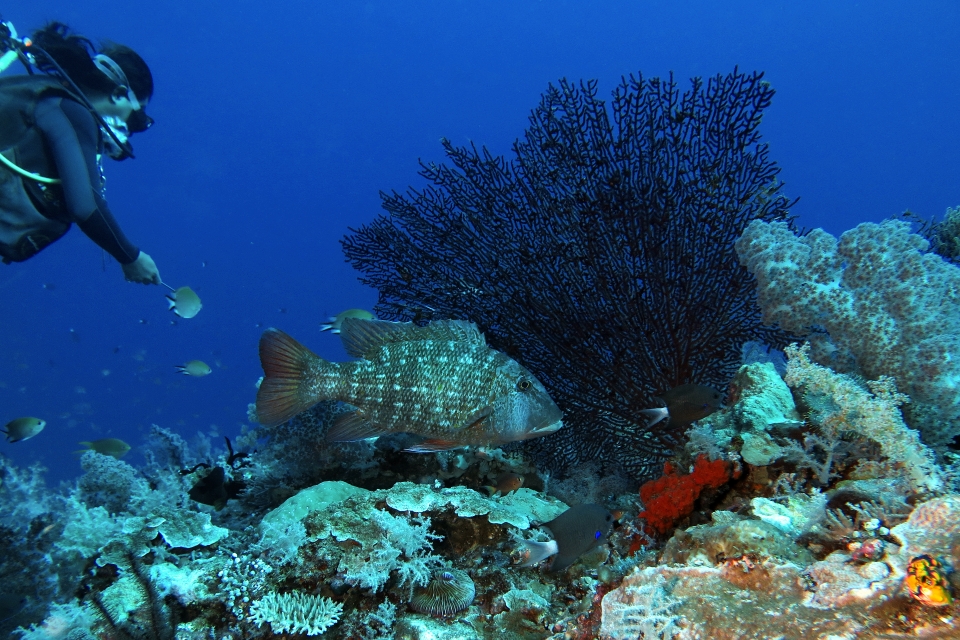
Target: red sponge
(671, 497)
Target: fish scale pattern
(405, 381)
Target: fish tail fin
(286, 365)
(171, 302)
(539, 551)
(654, 416)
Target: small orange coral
(671, 497)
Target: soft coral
(671, 497)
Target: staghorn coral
(875, 303)
(600, 256)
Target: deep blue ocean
(278, 124)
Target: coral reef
(872, 413)
(671, 497)
(759, 584)
(874, 303)
(600, 255)
(804, 508)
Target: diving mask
(138, 120)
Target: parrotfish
(336, 321)
(23, 428)
(185, 302)
(195, 368)
(440, 381)
(575, 531)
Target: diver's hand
(143, 270)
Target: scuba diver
(55, 126)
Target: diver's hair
(134, 67)
(74, 53)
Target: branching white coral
(296, 612)
(874, 414)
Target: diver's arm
(102, 228)
(73, 136)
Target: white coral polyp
(296, 612)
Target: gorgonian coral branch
(600, 255)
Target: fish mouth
(550, 427)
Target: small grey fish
(575, 531)
(440, 381)
(195, 368)
(185, 302)
(336, 321)
(114, 447)
(685, 404)
(23, 428)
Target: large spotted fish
(441, 382)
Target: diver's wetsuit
(70, 142)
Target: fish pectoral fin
(434, 444)
(477, 415)
(351, 426)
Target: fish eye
(523, 384)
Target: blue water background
(279, 123)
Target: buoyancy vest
(24, 230)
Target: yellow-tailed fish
(23, 428)
(107, 446)
(195, 368)
(185, 302)
(440, 381)
(337, 320)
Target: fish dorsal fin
(362, 338)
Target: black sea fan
(600, 256)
